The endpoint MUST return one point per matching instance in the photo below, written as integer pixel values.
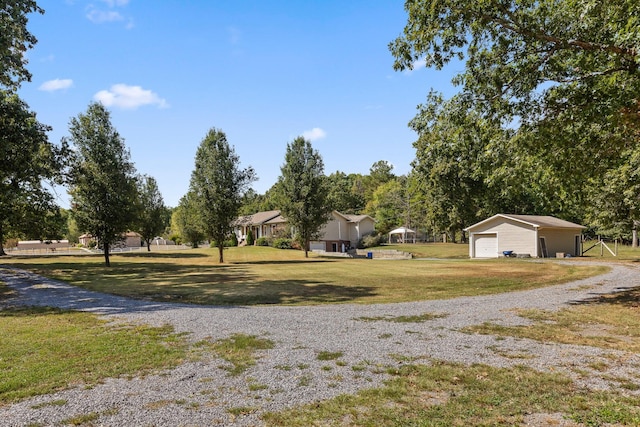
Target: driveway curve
(201, 393)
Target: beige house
(261, 224)
(343, 232)
(339, 234)
(533, 235)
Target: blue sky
(263, 72)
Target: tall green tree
(103, 185)
(185, 221)
(218, 185)
(558, 75)
(304, 191)
(151, 218)
(615, 209)
(27, 206)
(451, 159)
(387, 205)
(15, 40)
(342, 196)
(29, 160)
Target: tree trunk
(106, 255)
(634, 239)
(2, 252)
(148, 245)
(221, 253)
(306, 248)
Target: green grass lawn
(44, 350)
(79, 348)
(624, 252)
(447, 394)
(262, 275)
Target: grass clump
(419, 318)
(448, 394)
(45, 350)
(239, 350)
(609, 322)
(328, 355)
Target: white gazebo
(402, 234)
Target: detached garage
(536, 236)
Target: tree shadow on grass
(171, 255)
(290, 292)
(132, 287)
(628, 297)
(282, 262)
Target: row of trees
(219, 188)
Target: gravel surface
(202, 393)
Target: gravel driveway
(201, 393)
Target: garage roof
(536, 221)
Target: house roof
(277, 220)
(274, 217)
(257, 218)
(356, 218)
(536, 221)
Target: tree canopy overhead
(512, 47)
(15, 40)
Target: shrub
(282, 243)
(234, 239)
(227, 244)
(262, 241)
(370, 240)
(250, 240)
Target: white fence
(72, 250)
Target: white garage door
(317, 246)
(486, 245)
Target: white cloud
(314, 134)
(115, 3)
(56, 84)
(416, 65)
(99, 16)
(129, 97)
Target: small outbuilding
(524, 235)
(402, 235)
